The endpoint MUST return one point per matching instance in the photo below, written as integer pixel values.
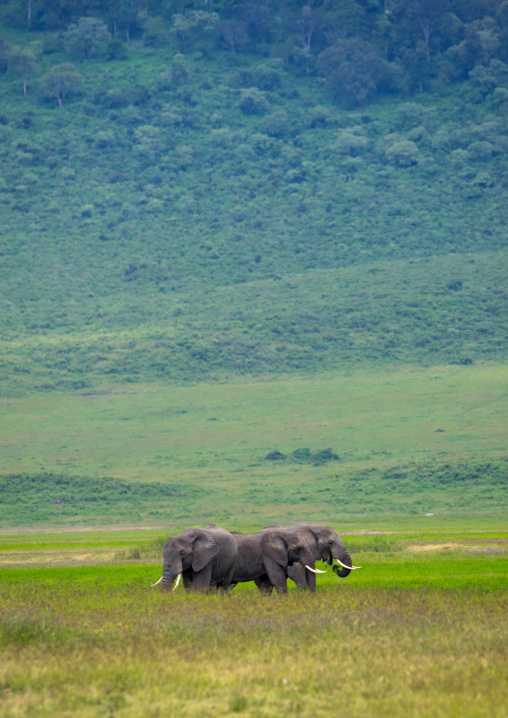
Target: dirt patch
(58, 558)
(368, 532)
(435, 547)
(454, 547)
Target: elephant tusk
(177, 581)
(351, 568)
(157, 582)
(314, 570)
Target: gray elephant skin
(275, 553)
(324, 544)
(203, 557)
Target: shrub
(403, 153)
(253, 101)
(277, 123)
(275, 456)
(104, 138)
(481, 150)
(348, 143)
(262, 143)
(319, 117)
(268, 75)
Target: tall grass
(96, 641)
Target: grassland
(415, 632)
(438, 310)
(408, 441)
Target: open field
(407, 441)
(420, 631)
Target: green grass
(409, 441)
(408, 634)
(373, 314)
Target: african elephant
(324, 544)
(278, 553)
(296, 573)
(264, 557)
(203, 557)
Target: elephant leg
(311, 580)
(276, 575)
(226, 582)
(264, 585)
(202, 579)
(296, 573)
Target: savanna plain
(253, 271)
(420, 630)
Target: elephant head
(327, 546)
(287, 547)
(191, 551)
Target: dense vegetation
(33, 499)
(456, 487)
(201, 206)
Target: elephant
(276, 553)
(266, 556)
(324, 544)
(203, 557)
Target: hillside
(191, 212)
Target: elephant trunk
(345, 558)
(169, 573)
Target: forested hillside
(203, 189)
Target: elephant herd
(213, 558)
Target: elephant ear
(274, 546)
(205, 548)
(301, 549)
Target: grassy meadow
(406, 441)
(419, 631)
(233, 292)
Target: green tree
(61, 81)
(354, 70)
(22, 63)
(425, 23)
(308, 23)
(88, 36)
(232, 34)
(193, 28)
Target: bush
(277, 123)
(348, 143)
(480, 151)
(253, 101)
(275, 456)
(404, 153)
